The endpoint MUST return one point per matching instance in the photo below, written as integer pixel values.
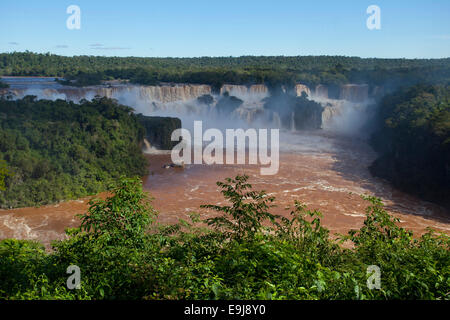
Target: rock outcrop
(233, 90)
(300, 88)
(331, 111)
(321, 92)
(241, 90)
(158, 130)
(354, 92)
(185, 99)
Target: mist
(234, 107)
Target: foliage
(227, 104)
(305, 113)
(3, 85)
(4, 172)
(248, 211)
(413, 139)
(82, 79)
(271, 70)
(206, 99)
(248, 254)
(123, 216)
(158, 130)
(56, 150)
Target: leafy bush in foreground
(247, 253)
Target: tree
(125, 216)
(249, 209)
(4, 172)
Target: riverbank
(326, 173)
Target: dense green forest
(413, 139)
(245, 253)
(158, 130)
(3, 85)
(275, 70)
(305, 113)
(55, 150)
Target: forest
(242, 252)
(53, 150)
(59, 150)
(306, 114)
(3, 85)
(158, 130)
(413, 140)
(273, 71)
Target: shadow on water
(352, 158)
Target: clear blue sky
(190, 28)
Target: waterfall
(147, 146)
(293, 121)
(276, 120)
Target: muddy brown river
(323, 171)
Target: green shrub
(245, 253)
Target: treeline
(413, 139)
(246, 252)
(55, 150)
(3, 85)
(275, 70)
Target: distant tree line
(271, 70)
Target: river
(318, 168)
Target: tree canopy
(59, 150)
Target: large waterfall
(162, 93)
(292, 121)
(276, 120)
(148, 147)
(181, 100)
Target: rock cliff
(354, 92)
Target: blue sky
(410, 29)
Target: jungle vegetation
(271, 70)
(242, 252)
(413, 140)
(58, 150)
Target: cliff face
(321, 92)
(334, 110)
(178, 92)
(307, 114)
(233, 90)
(250, 115)
(300, 88)
(240, 90)
(354, 92)
(163, 93)
(259, 88)
(183, 99)
(378, 92)
(330, 112)
(158, 130)
(349, 92)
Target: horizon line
(218, 57)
